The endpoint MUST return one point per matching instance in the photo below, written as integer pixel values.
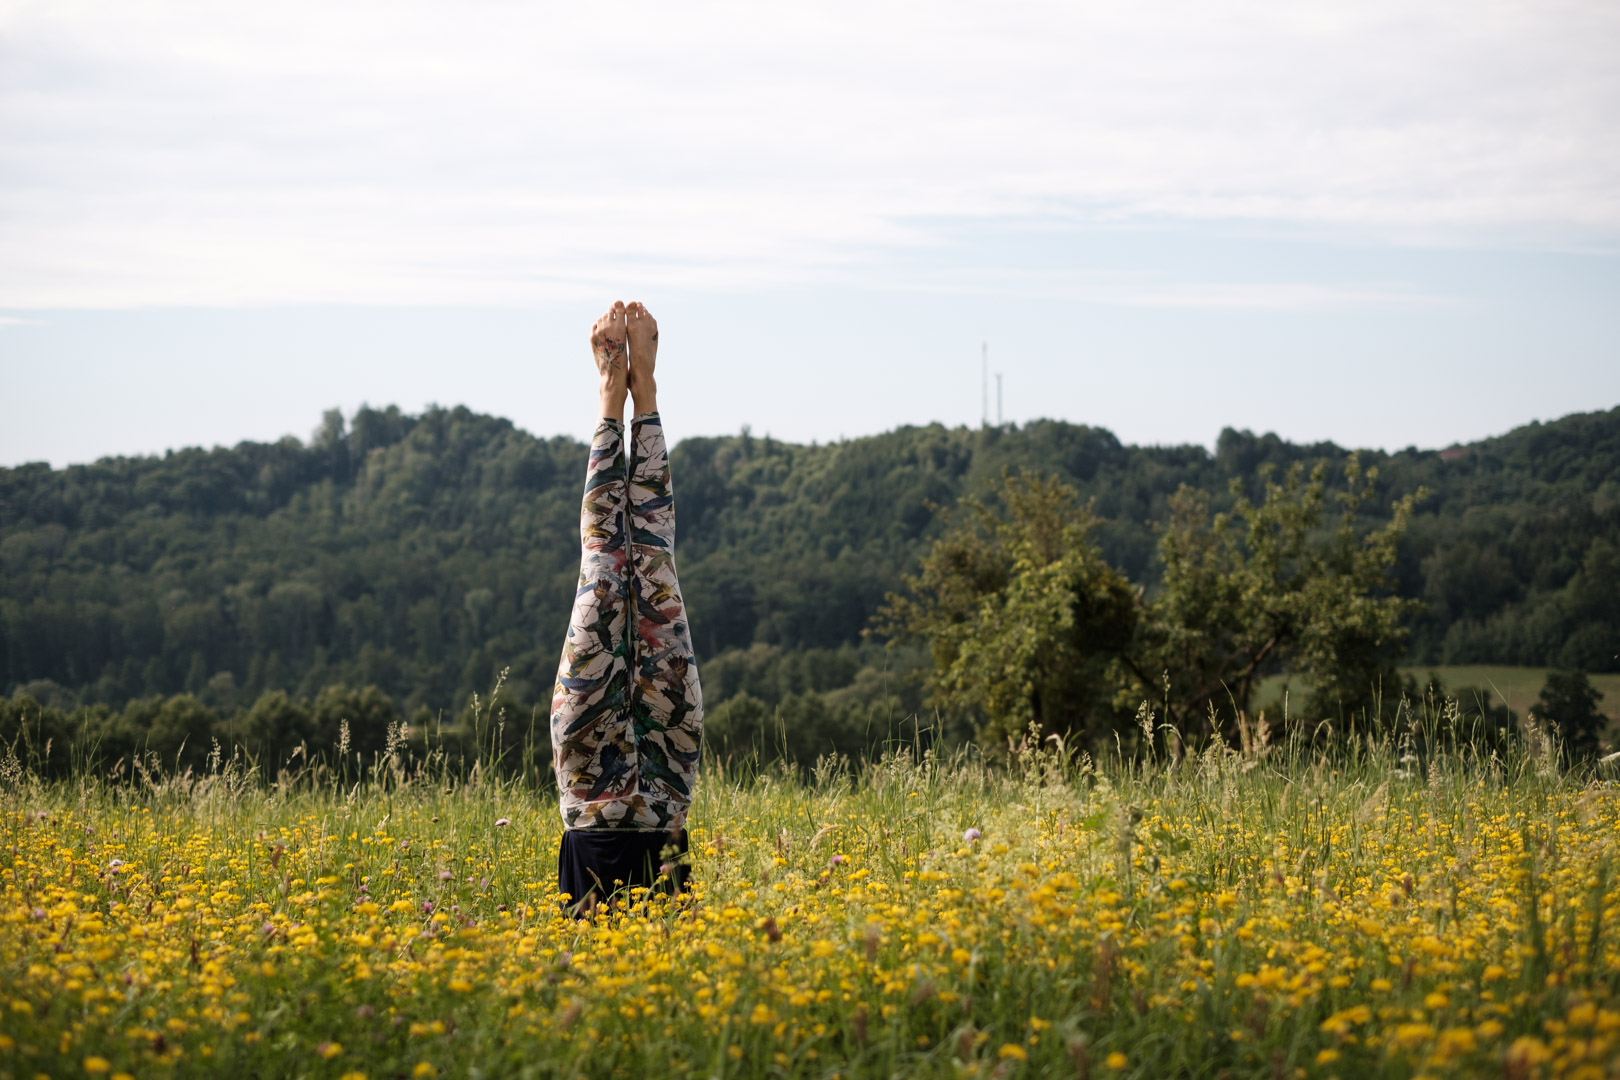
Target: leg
(592, 747)
(666, 701)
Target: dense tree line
(771, 713)
(423, 554)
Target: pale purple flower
(501, 823)
(427, 907)
(971, 835)
(836, 860)
(445, 875)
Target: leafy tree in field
(273, 726)
(736, 726)
(1264, 587)
(1028, 624)
(1570, 701)
(1020, 611)
(179, 729)
(40, 736)
(369, 712)
(1468, 714)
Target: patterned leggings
(627, 712)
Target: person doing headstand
(627, 710)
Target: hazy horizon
(306, 437)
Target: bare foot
(608, 348)
(643, 331)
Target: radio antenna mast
(984, 356)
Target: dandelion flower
(1116, 1060)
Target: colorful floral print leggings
(627, 711)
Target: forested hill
(425, 553)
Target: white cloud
(1275, 296)
(166, 153)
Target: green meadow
(1516, 687)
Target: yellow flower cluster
(916, 920)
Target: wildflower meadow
(1344, 909)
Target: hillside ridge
(425, 553)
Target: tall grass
(1395, 901)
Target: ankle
(646, 399)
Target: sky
(1385, 223)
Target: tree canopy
(422, 554)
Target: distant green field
(1517, 686)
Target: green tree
(1021, 613)
(179, 729)
(368, 712)
(1570, 701)
(1466, 714)
(1264, 587)
(40, 735)
(737, 726)
(273, 727)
